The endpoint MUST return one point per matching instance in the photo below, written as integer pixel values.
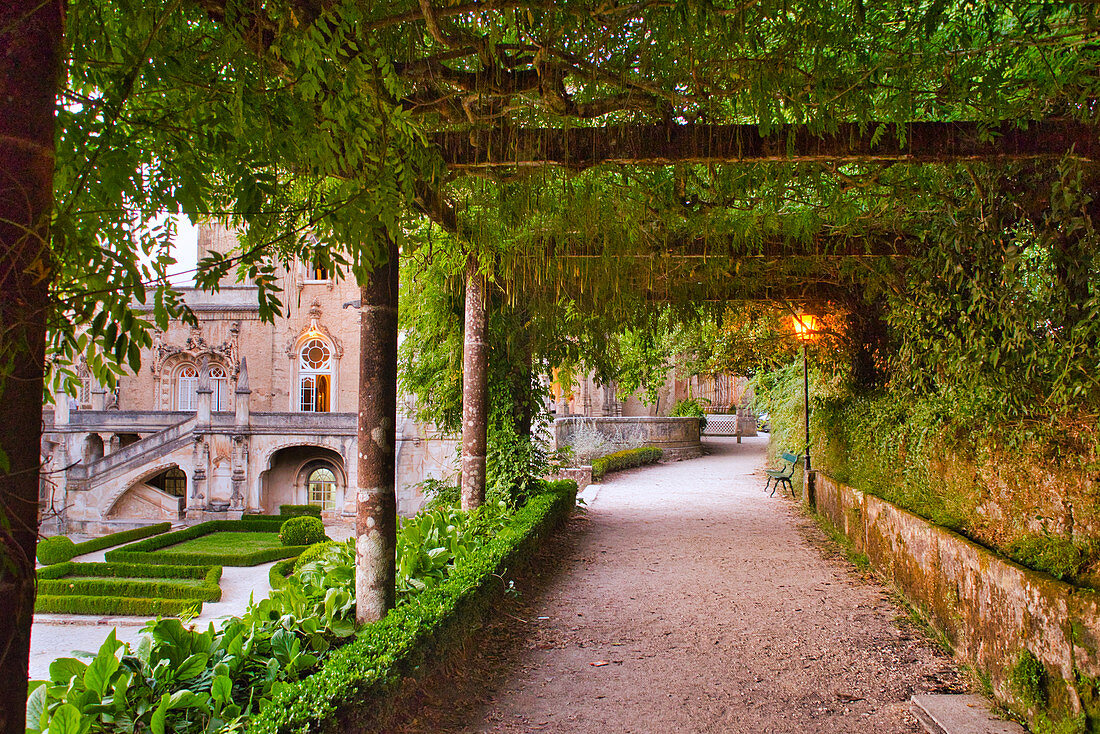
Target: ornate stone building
(231, 416)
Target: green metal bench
(783, 475)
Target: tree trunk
(30, 64)
(376, 506)
(475, 389)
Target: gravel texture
(687, 600)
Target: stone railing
(677, 437)
(989, 608)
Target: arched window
(314, 377)
(219, 384)
(322, 489)
(175, 482)
(187, 381)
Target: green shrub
(58, 546)
(137, 607)
(286, 511)
(627, 459)
(302, 530)
(690, 408)
(439, 494)
(149, 551)
(279, 572)
(312, 553)
(56, 549)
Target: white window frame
(186, 387)
(309, 374)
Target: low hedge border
(358, 686)
(286, 511)
(130, 581)
(148, 551)
(277, 574)
(627, 459)
(54, 550)
(122, 606)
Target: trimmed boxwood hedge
(627, 459)
(356, 688)
(129, 581)
(59, 548)
(149, 551)
(123, 606)
(277, 574)
(298, 510)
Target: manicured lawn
(226, 544)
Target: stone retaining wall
(677, 437)
(989, 608)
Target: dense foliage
(296, 654)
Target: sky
(185, 250)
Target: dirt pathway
(689, 601)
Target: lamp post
(805, 329)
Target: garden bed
(217, 542)
(126, 589)
(59, 548)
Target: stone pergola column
(376, 502)
(475, 388)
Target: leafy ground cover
(245, 542)
(293, 659)
(127, 589)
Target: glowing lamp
(805, 325)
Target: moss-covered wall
(991, 610)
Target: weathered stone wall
(989, 608)
(678, 437)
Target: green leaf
(97, 677)
(156, 723)
(63, 670)
(221, 689)
(68, 720)
(192, 666)
(36, 708)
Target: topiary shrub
(56, 549)
(302, 531)
(312, 553)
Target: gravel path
(687, 600)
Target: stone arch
(283, 481)
(115, 501)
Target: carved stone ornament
(196, 348)
(317, 328)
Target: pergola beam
(924, 142)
